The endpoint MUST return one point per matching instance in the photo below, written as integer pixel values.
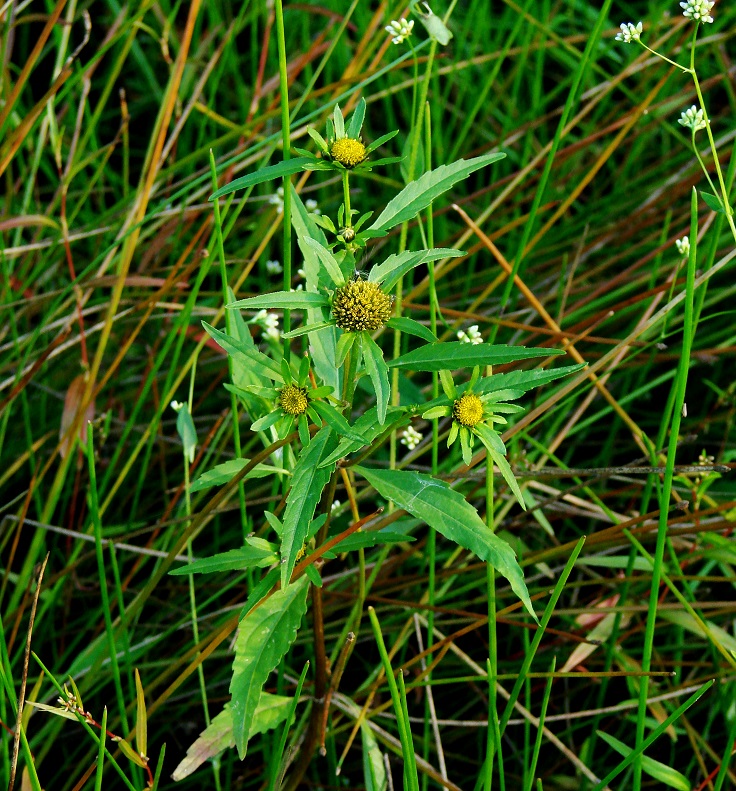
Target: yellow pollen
(293, 400)
(360, 305)
(348, 152)
(468, 410)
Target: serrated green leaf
(455, 354)
(417, 195)
(225, 472)
(264, 637)
(659, 771)
(377, 370)
(449, 513)
(233, 560)
(286, 300)
(367, 425)
(259, 362)
(309, 479)
(337, 421)
(361, 540)
(712, 202)
(278, 171)
(396, 266)
(411, 327)
(524, 380)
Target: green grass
(111, 258)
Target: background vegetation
(108, 266)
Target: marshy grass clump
(451, 506)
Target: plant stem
(286, 137)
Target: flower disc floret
(468, 410)
(293, 400)
(348, 152)
(360, 306)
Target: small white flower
(269, 322)
(411, 437)
(277, 200)
(472, 336)
(400, 30)
(274, 267)
(693, 119)
(335, 505)
(629, 32)
(312, 206)
(177, 406)
(302, 274)
(683, 246)
(698, 10)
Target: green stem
(226, 299)
(680, 386)
(286, 137)
(346, 199)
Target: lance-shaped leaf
(258, 361)
(327, 260)
(396, 266)
(659, 771)
(321, 342)
(411, 327)
(286, 168)
(287, 300)
(308, 481)
(264, 636)
(257, 553)
(455, 354)
(225, 472)
(450, 514)
(377, 370)
(369, 427)
(218, 735)
(523, 380)
(337, 421)
(417, 195)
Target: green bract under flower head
(361, 306)
(293, 399)
(348, 152)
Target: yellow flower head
(348, 152)
(468, 410)
(361, 305)
(293, 400)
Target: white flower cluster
(698, 10)
(400, 30)
(274, 267)
(683, 246)
(629, 32)
(269, 322)
(411, 437)
(471, 336)
(335, 505)
(693, 119)
(277, 200)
